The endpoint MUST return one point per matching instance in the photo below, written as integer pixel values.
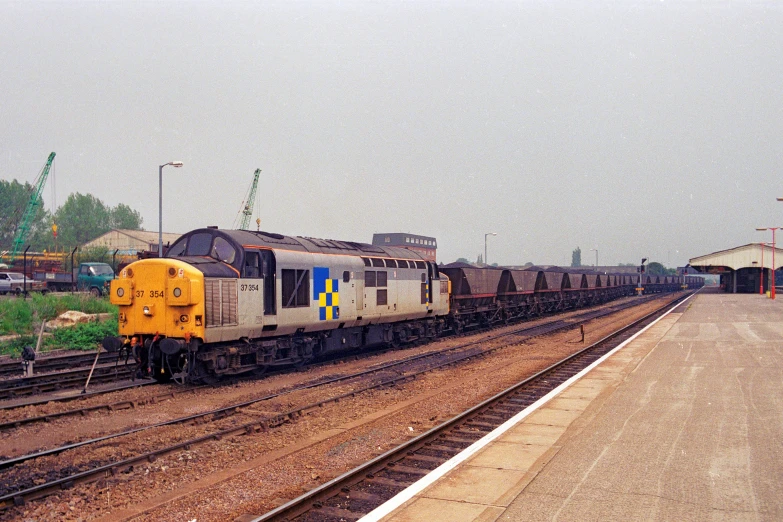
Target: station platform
(682, 422)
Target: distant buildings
(424, 245)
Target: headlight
(147, 310)
(177, 292)
(120, 292)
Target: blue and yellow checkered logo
(326, 294)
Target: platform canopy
(746, 256)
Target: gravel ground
(223, 479)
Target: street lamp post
(485, 245)
(772, 283)
(596, 255)
(761, 281)
(160, 203)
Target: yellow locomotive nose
(158, 297)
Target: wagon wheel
(457, 327)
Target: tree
(122, 216)
(81, 219)
(480, 260)
(656, 268)
(463, 260)
(576, 257)
(14, 198)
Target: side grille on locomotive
(221, 302)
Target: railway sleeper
(363, 496)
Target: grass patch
(24, 317)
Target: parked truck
(89, 277)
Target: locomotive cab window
(346, 276)
(199, 244)
(252, 265)
(178, 249)
(222, 250)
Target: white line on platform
(417, 487)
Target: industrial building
(128, 242)
(424, 245)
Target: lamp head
(176, 163)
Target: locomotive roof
(252, 238)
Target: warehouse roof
(129, 241)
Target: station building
(424, 245)
(741, 269)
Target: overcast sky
(647, 129)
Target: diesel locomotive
(225, 302)
(228, 301)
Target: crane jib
(32, 207)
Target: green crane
(247, 206)
(32, 207)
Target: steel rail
(55, 362)
(62, 380)
(73, 397)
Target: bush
(14, 346)
(24, 317)
(17, 316)
(85, 336)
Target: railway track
(48, 382)
(389, 374)
(359, 491)
(13, 367)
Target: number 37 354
(149, 293)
